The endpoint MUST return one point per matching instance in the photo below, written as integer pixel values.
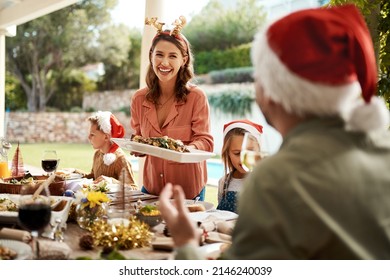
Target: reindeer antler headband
(178, 23)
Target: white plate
(68, 174)
(207, 205)
(73, 176)
(211, 251)
(193, 156)
(24, 252)
(213, 215)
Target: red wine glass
(34, 211)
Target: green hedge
(231, 101)
(206, 62)
(232, 75)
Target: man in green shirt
(325, 194)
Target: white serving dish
(23, 251)
(192, 157)
(11, 217)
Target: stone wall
(55, 127)
(107, 100)
(116, 100)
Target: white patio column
(2, 83)
(153, 8)
(11, 31)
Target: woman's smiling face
(167, 59)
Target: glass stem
(35, 246)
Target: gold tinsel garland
(135, 235)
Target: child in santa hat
(231, 182)
(109, 161)
(325, 194)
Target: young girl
(171, 106)
(230, 184)
(109, 160)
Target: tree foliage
(377, 15)
(46, 48)
(220, 26)
(121, 72)
(15, 99)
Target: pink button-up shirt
(187, 121)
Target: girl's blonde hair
(227, 163)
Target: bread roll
(196, 207)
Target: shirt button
(161, 175)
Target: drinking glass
(251, 151)
(34, 211)
(49, 161)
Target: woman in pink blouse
(171, 106)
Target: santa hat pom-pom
(370, 117)
(109, 158)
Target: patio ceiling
(12, 14)
(16, 12)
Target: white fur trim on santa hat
(303, 97)
(109, 158)
(103, 119)
(369, 117)
(245, 126)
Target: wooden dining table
(159, 248)
(73, 233)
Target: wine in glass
(34, 211)
(251, 151)
(49, 161)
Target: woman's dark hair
(185, 74)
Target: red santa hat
(255, 129)
(109, 124)
(322, 61)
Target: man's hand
(175, 214)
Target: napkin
(53, 250)
(163, 243)
(221, 226)
(216, 237)
(15, 234)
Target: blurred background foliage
(377, 16)
(237, 103)
(45, 61)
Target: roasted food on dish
(8, 205)
(7, 254)
(149, 214)
(101, 186)
(196, 207)
(149, 210)
(69, 173)
(22, 181)
(162, 142)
